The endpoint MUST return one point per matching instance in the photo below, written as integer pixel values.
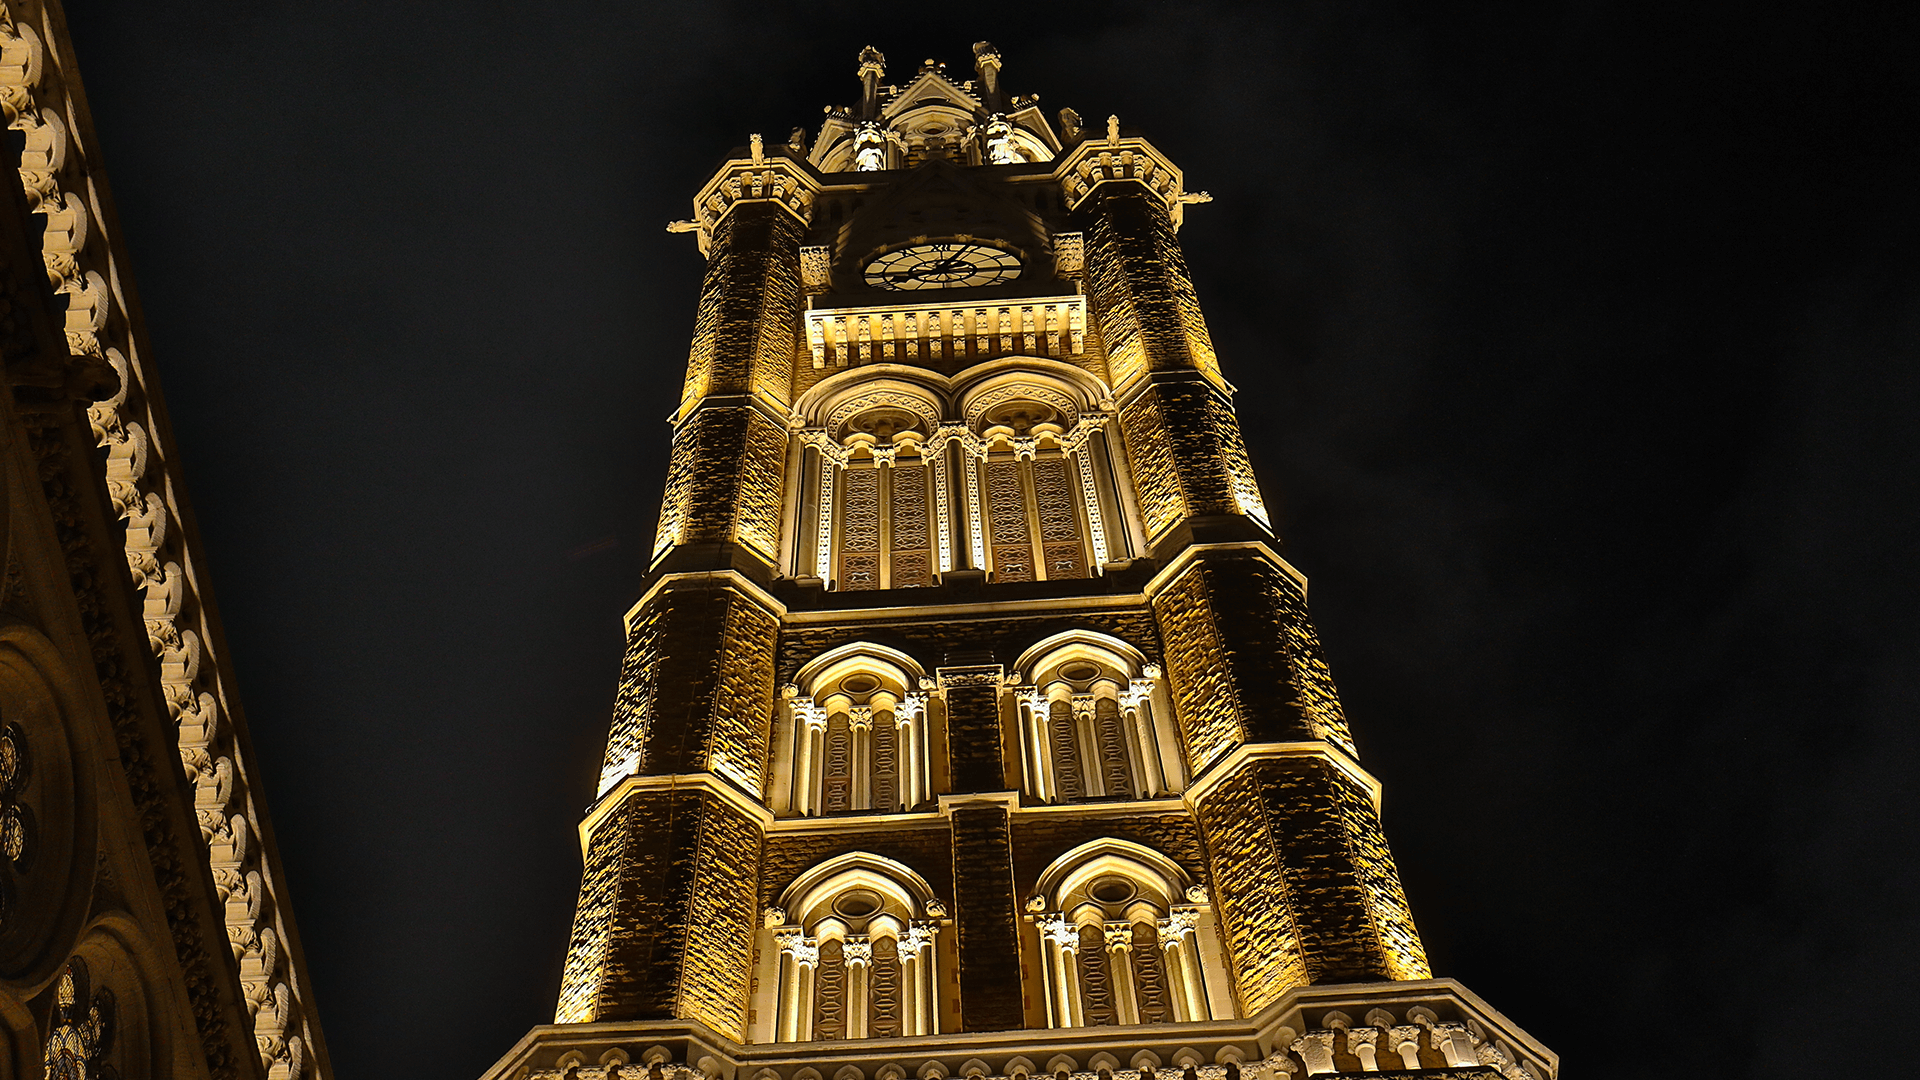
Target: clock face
(956, 264)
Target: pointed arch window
(1126, 938)
(1095, 722)
(856, 942)
(852, 738)
(82, 1026)
(879, 512)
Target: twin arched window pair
(859, 947)
(859, 724)
(901, 479)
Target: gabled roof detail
(931, 86)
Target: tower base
(1432, 1027)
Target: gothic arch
(1051, 651)
(1126, 938)
(852, 952)
(852, 735)
(1069, 875)
(50, 800)
(816, 675)
(1096, 721)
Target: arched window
(877, 501)
(903, 475)
(853, 735)
(1041, 515)
(81, 1032)
(856, 944)
(1126, 938)
(1096, 722)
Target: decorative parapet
(1435, 1025)
(778, 180)
(1130, 160)
(1054, 326)
(79, 252)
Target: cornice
(729, 578)
(1188, 555)
(790, 184)
(1117, 160)
(705, 783)
(1261, 1042)
(1230, 763)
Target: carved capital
(1057, 929)
(1316, 1049)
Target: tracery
(856, 944)
(81, 1029)
(1121, 931)
(1095, 722)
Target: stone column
(859, 959)
(1060, 941)
(1126, 996)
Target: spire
(872, 66)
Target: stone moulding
(1312, 1031)
(1130, 160)
(786, 183)
(82, 260)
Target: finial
(872, 66)
(986, 61)
(757, 147)
(1113, 129)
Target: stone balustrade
(934, 333)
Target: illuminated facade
(970, 724)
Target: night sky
(1578, 347)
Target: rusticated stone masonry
(696, 686)
(749, 311)
(1183, 441)
(665, 923)
(1243, 658)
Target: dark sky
(1577, 345)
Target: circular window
(857, 904)
(859, 683)
(1079, 671)
(884, 423)
(1021, 415)
(1111, 890)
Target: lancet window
(1096, 722)
(857, 943)
(1125, 938)
(853, 736)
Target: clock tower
(970, 723)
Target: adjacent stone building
(144, 929)
(971, 723)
